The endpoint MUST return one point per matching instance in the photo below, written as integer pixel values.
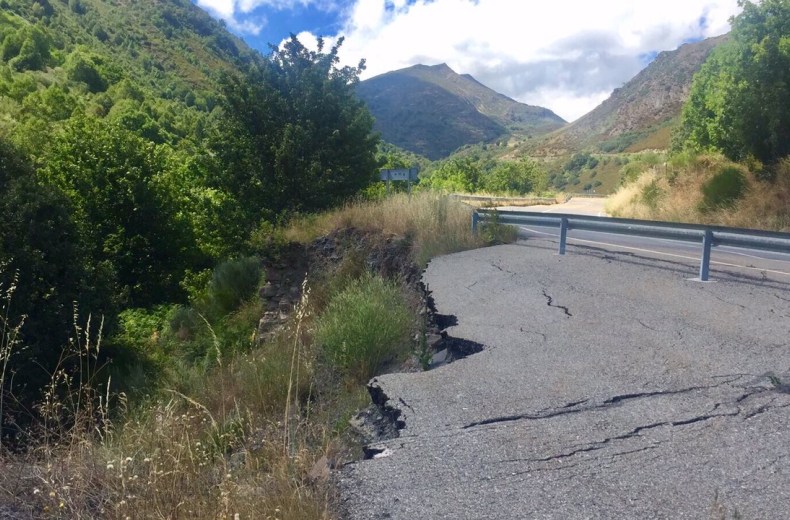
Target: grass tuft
(366, 325)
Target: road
(575, 206)
(609, 386)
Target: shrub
(233, 282)
(651, 194)
(365, 325)
(723, 189)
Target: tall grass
(436, 223)
(9, 341)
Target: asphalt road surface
(611, 386)
(575, 206)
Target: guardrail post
(563, 234)
(704, 266)
(475, 220)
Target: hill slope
(155, 66)
(639, 114)
(432, 111)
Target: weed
(494, 232)
(437, 223)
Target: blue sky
(566, 55)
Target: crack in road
(635, 432)
(728, 302)
(576, 406)
(642, 323)
(783, 299)
(541, 334)
(550, 303)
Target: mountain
(431, 110)
(638, 115)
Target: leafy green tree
(26, 48)
(51, 104)
(740, 100)
(85, 66)
(304, 141)
(116, 182)
(460, 174)
(520, 177)
(41, 254)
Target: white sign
(402, 174)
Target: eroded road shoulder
(609, 387)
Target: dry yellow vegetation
(676, 193)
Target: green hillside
(152, 66)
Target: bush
(232, 282)
(365, 325)
(723, 189)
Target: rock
(439, 358)
(268, 320)
(268, 290)
(433, 340)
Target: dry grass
(676, 195)
(238, 441)
(436, 223)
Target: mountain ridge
(432, 110)
(639, 113)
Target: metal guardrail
(707, 236)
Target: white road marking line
(641, 250)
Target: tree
(740, 100)
(304, 140)
(26, 49)
(84, 65)
(460, 174)
(520, 177)
(117, 184)
(41, 254)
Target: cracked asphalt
(610, 386)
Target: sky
(566, 55)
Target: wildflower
(36, 491)
(110, 466)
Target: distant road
(575, 206)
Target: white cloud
(567, 55)
(563, 54)
(240, 14)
